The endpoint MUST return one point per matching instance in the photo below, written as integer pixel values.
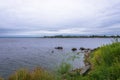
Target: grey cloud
(27, 20)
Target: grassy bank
(105, 65)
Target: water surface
(18, 53)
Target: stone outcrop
(59, 47)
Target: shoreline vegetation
(91, 36)
(101, 64)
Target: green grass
(106, 63)
(64, 68)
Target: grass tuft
(64, 68)
(36, 74)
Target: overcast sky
(54, 17)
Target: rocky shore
(87, 67)
(87, 64)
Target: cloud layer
(51, 17)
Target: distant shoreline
(92, 36)
(61, 36)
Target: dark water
(18, 53)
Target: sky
(59, 17)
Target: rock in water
(58, 47)
(74, 49)
(82, 48)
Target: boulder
(82, 48)
(59, 47)
(74, 49)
